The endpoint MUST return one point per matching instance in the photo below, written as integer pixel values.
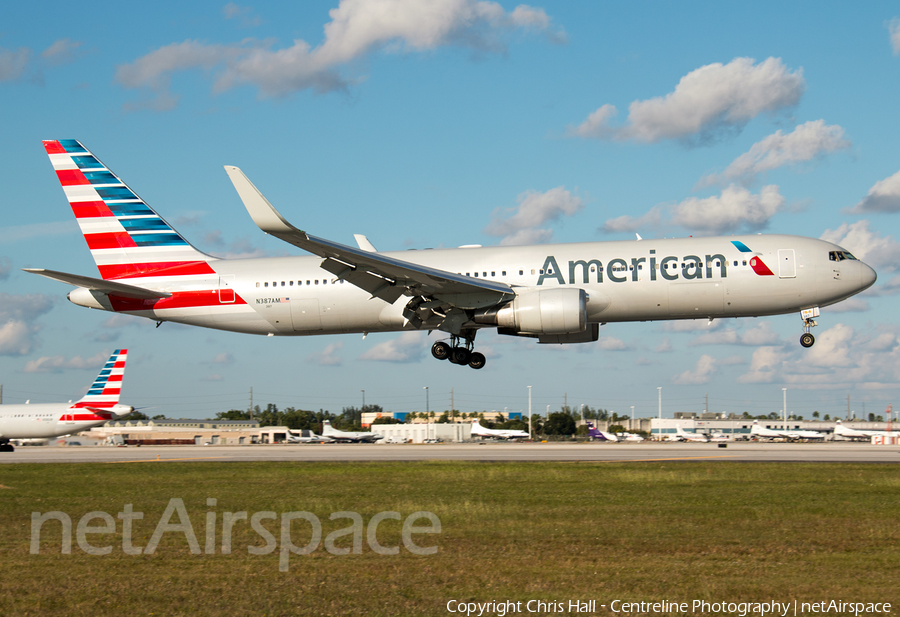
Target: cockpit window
(840, 255)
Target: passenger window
(324, 281)
(317, 281)
(493, 273)
(282, 283)
(476, 275)
(266, 283)
(503, 273)
(745, 262)
(532, 271)
(485, 274)
(291, 283)
(735, 263)
(308, 283)
(521, 272)
(257, 284)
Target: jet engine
(540, 311)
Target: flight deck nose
(867, 276)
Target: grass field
(510, 531)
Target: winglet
(364, 244)
(261, 211)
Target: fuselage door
(305, 314)
(226, 289)
(787, 265)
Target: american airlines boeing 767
(556, 293)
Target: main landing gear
(6, 447)
(807, 339)
(457, 353)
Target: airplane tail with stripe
(127, 238)
(102, 397)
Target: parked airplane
(793, 434)
(846, 431)
(480, 431)
(306, 436)
(599, 435)
(630, 437)
(681, 435)
(41, 420)
(556, 293)
(348, 436)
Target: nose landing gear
(807, 339)
(459, 351)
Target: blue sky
(448, 123)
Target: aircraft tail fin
(127, 238)
(104, 392)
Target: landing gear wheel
(477, 360)
(7, 447)
(807, 339)
(440, 350)
(459, 355)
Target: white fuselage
(44, 420)
(624, 280)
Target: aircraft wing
(109, 287)
(384, 277)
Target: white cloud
(357, 28)
(328, 356)
(611, 343)
(851, 305)
(764, 365)
(761, 334)
(62, 51)
(521, 225)
(223, 358)
(405, 348)
(13, 63)
(702, 372)
(884, 196)
(707, 102)
(18, 332)
(807, 142)
(245, 14)
(627, 223)
(735, 209)
(665, 346)
(56, 364)
(894, 29)
(840, 359)
(880, 252)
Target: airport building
(419, 432)
(178, 432)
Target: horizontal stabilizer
(108, 287)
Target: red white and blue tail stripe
(127, 238)
(104, 392)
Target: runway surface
(739, 451)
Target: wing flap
(108, 287)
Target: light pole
(659, 430)
(530, 434)
(784, 406)
(427, 415)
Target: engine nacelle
(544, 311)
